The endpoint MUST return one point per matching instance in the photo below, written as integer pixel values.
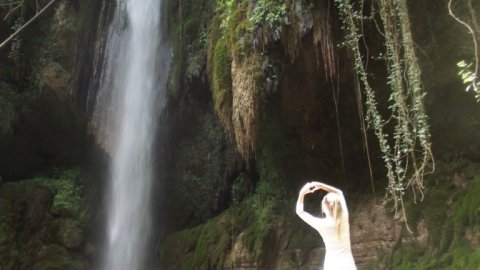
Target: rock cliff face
(39, 79)
(293, 245)
(268, 90)
(444, 232)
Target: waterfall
(133, 62)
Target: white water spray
(129, 98)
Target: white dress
(338, 255)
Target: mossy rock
(451, 196)
(56, 257)
(70, 233)
(222, 79)
(67, 193)
(203, 247)
(42, 223)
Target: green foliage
(407, 151)
(225, 9)
(271, 13)
(264, 205)
(239, 19)
(469, 78)
(64, 186)
(469, 20)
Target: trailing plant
(12, 7)
(407, 149)
(15, 49)
(470, 73)
(469, 78)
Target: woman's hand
(309, 188)
(314, 188)
(327, 188)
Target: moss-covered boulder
(43, 222)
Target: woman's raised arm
(327, 188)
(309, 219)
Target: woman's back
(334, 241)
(334, 228)
(338, 253)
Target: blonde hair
(332, 202)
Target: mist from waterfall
(133, 63)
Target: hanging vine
(470, 77)
(407, 150)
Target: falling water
(134, 61)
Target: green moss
(203, 247)
(237, 33)
(222, 80)
(67, 192)
(191, 25)
(207, 246)
(448, 211)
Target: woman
(334, 227)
